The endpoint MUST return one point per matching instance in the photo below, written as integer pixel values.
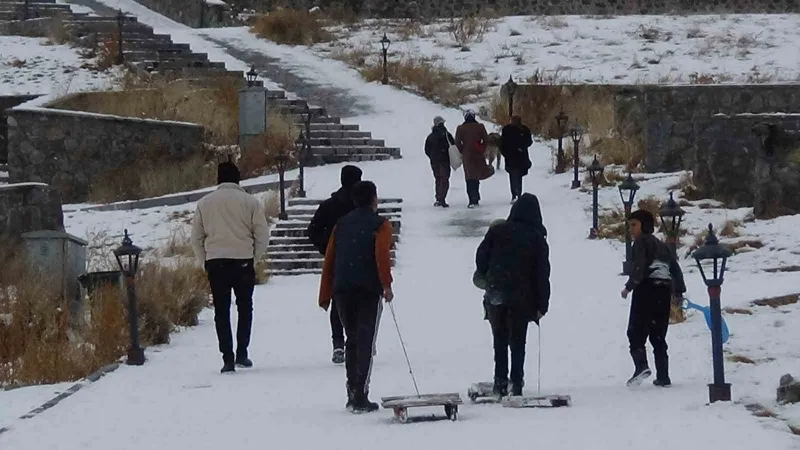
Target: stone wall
(194, 13)
(6, 102)
(69, 150)
(29, 207)
(453, 8)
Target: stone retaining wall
(69, 149)
(6, 102)
(29, 207)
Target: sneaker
(244, 362)
(662, 382)
(338, 356)
(472, 205)
(638, 376)
(227, 367)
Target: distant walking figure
(230, 233)
(437, 149)
(471, 140)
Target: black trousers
(649, 318)
(474, 191)
(508, 330)
(360, 313)
(515, 180)
(239, 276)
(337, 331)
(441, 177)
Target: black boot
(516, 388)
(662, 371)
(500, 388)
(227, 367)
(338, 356)
(361, 403)
(242, 360)
(351, 399)
(641, 369)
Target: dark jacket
(514, 143)
(437, 145)
(470, 137)
(513, 259)
(358, 256)
(328, 213)
(653, 261)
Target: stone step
(331, 150)
(317, 120)
(333, 127)
(306, 210)
(328, 134)
(313, 255)
(337, 159)
(273, 266)
(300, 231)
(300, 111)
(50, 2)
(3, 167)
(299, 201)
(177, 64)
(38, 14)
(199, 72)
(143, 44)
(134, 29)
(279, 272)
(34, 6)
(141, 36)
(303, 240)
(101, 19)
(306, 218)
(162, 55)
(293, 248)
(298, 225)
(346, 142)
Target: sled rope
(391, 308)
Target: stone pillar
(252, 113)
(28, 207)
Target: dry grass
(468, 29)
(612, 138)
(612, 225)
(732, 310)
(743, 245)
(676, 314)
(651, 204)
(38, 345)
(686, 187)
(730, 229)
(291, 27)
(740, 359)
(56, 32)
(152, 177)
(178, 243)
(776, 302)
(259, 156)
(429, 79)
(106, 52)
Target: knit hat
(437, 120)
(469, 113)
(350, 175)
(227, 172)
(647, 220)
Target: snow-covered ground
(294, 397)
(584, 49)
(34, 66)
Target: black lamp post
(576, 133)
(627, 192)
(120, 21)
(300, 144)
(595, 172)
(251, 76)
(385, 42)
(671, 215)
(281, 159)
(715, 256)
(127, 256)
(511, 88)
(561, 121)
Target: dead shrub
(106, 52)
(423, 77)
(148, 178)
(552, 22)
(732, 310)
(686, 185)
(743, 245)
(740, 359)
(652, 205)
(259, 156)
(612, 225)
(178, 243)
(776, 302)
(730, 229)
(291, 27)
(56, 32)
(468, 29)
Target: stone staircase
(17, 10)
(144, 51)
(290, 252)
(3, 173)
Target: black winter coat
(437, 145)
(653, 260)
(514, 143)
(513, 259)
(328, 213)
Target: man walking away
(471, 140)
(437, 148)
(654, 276)
(512, 265)
(356, 273)
(319, 231)
(515, 140)
(230, 233)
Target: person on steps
(513, 266)
(355, 275)
(437, 148)
(319, 232)
(514, 142)
(654, 276)
(230, 233)
(471, 140)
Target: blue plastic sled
(687, 304)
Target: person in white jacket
(230, 233)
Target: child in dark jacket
(655, 274)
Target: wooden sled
(482, 393)
(400, 404)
